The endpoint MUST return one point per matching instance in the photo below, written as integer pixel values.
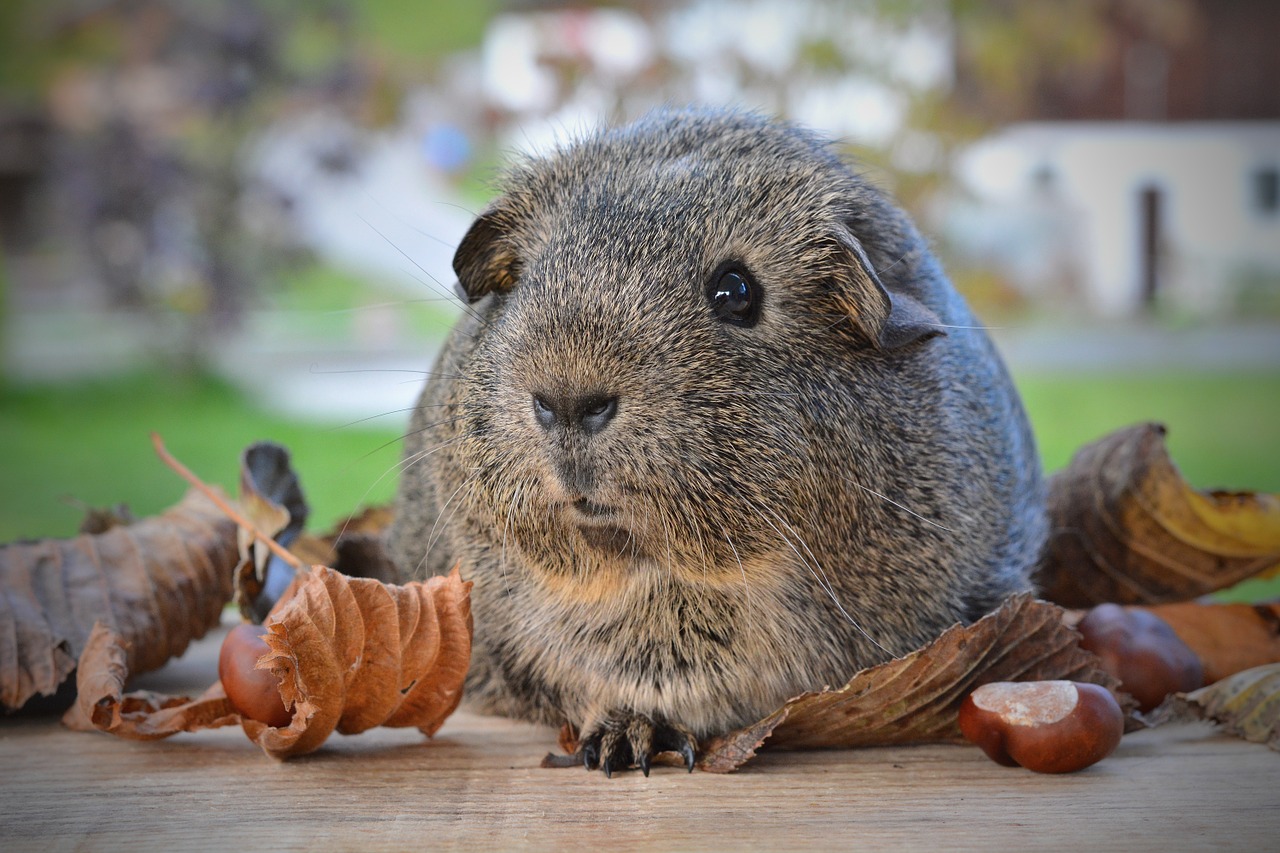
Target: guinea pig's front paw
(625, 739)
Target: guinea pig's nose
(590, 413)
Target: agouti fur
(686, 497)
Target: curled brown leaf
(102, 704)
(914, 699)
(348, 653)
(1128, 529)
(158, 584)
(354, 653)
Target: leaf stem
(185, 473)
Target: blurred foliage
(148, 107)
(38, 38)
(418, 34)
(153, 101)
(328, 303)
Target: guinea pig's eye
(734, 296)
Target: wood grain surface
(478, 785)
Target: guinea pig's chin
(596, 561)
(612, 541)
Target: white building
(1186, 213)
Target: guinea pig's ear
(887, 319)
(485, 260)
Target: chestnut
(254, 693)
(1045, 726)
(1141, 650)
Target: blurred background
(227, 220)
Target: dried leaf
(158, 584)
(1247, 705)
(1228, 638)
(354, 546)
(143, 715)
(102, 519)
(349, 654)
(353, 653)
(727, 753)
(1128, 529)
(914, 699)
(271, 498)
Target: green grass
(1223, 428)
(89, 441)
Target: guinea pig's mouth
(601, 527)
(592, 510)
(609, 538)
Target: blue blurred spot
(446, 147)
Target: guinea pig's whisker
(807, 549)
(426, 451)
(481, 324)
(399, 465)
(704, 555)
(666, 532)
(414, 458)
(506, 529)
(898, 505)
(407, 224)
(453, 420)
(375, 306)
(314, 371)
(893, 264)
(436, 530)
(820, 576)
(440, 288)
(632, 542)
(717, 392)
(837, 322)
(746, 587)
(430, 426)
(350, 424)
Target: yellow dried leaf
(1247, 705)
(1248, 518)
(1127, 528)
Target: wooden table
(478, 785)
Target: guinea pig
(713, 430)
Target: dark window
(1266, 191)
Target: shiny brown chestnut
(1141, 650)
(255, 693)
(1045, 726)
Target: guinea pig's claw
(672, 739)
(689, 756)
(590, 756)
(624, 740)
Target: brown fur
(786, 503)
